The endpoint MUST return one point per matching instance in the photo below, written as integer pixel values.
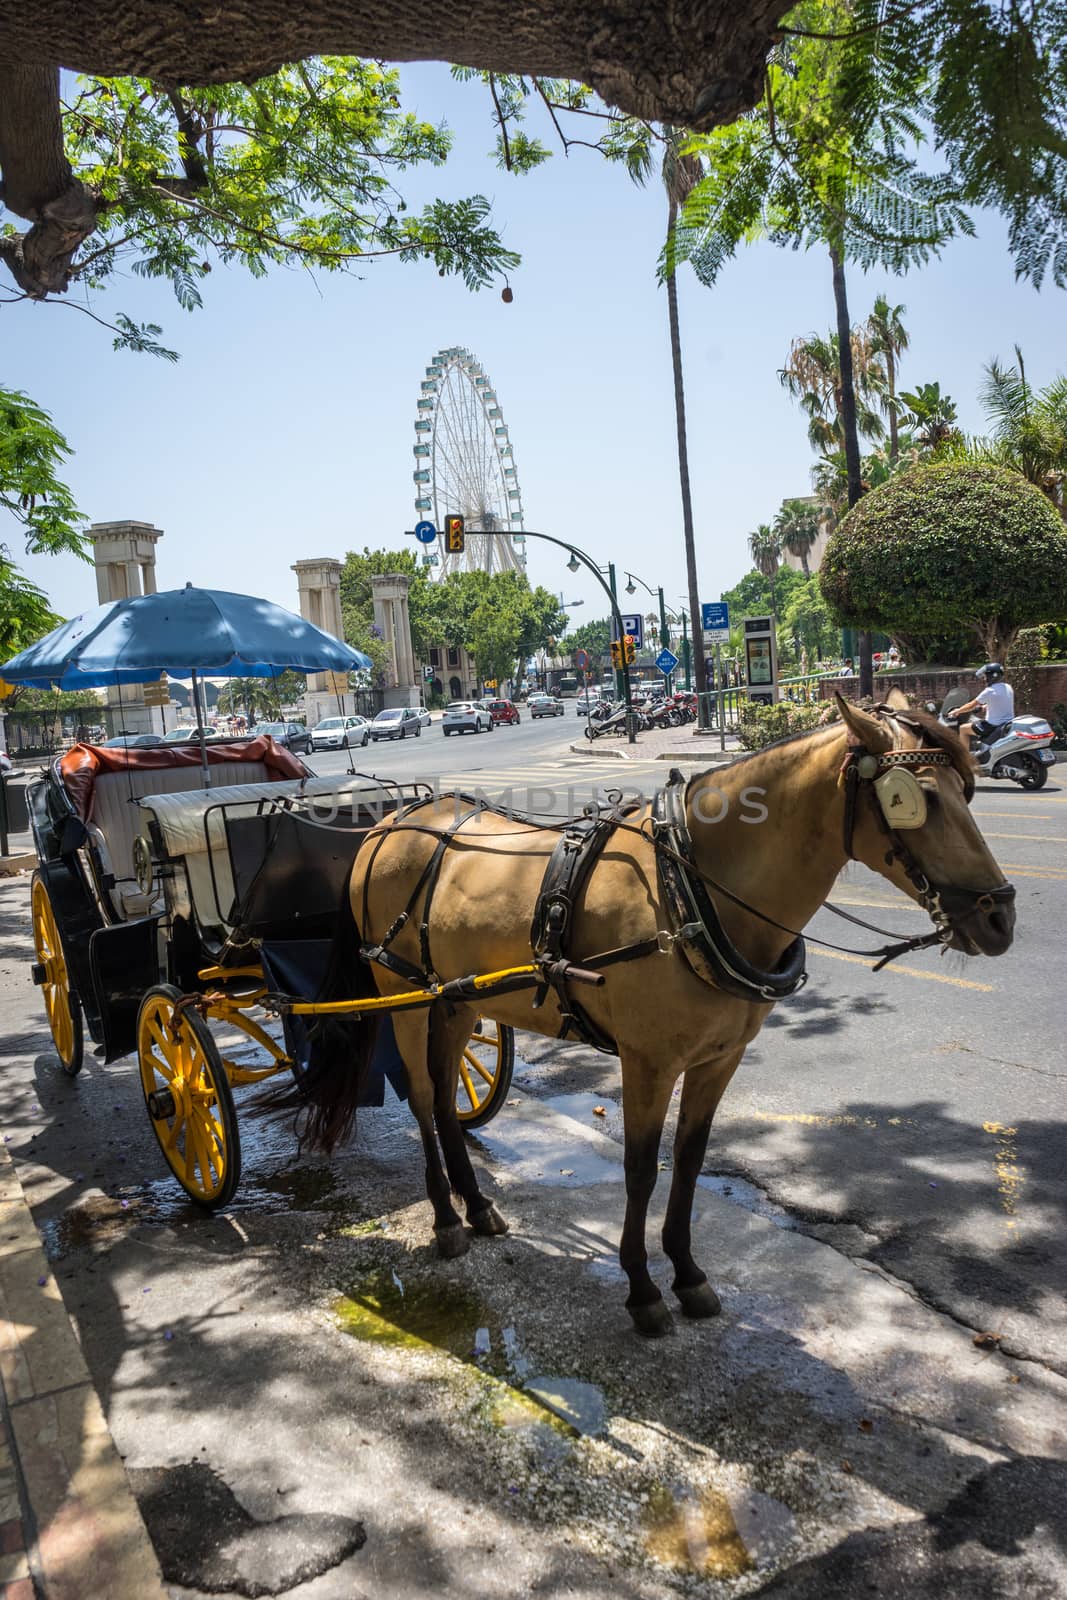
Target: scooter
(1019, 751)
(611, 720)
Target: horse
(756, 849)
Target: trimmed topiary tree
(949, 546)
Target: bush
(760, 725)
(948, 546)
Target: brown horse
(768, 836)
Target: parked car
(186, 735)
(588, 700)
(466, 716)
(293, 735)
(137, 741)
(340, 733)
(503, 711)
(396, 723)
(546, 705)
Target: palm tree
(797, 527)
(766, 549)
(812, 375)
(1029, 428)
(934, 415)
(889, 338)
(681, 173)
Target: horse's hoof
(653, 1320)
(699, 1300)
(489, 1222)
(452, 1241)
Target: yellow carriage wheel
(61, 1004)
(485, 1071)
(188, 1096)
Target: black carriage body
(110, 963)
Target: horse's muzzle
(988, 927)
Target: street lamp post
(664, 631)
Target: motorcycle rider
(996, 701)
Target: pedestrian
(847, 669)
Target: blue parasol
(182, 632)
(185, 633)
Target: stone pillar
(124, 554)
(390, 591)
(319, 589)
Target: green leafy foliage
(32, 450)
(301, 167)
(949, 545)
(761, 725)
(594, 637)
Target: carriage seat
(105, 785)
(192, 828)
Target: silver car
(546, 705)
(466, 716)
(340, 733)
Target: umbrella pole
(200, 732)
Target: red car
(502, 711)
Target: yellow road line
(1038, 838)
(1022, 870)
(874, 905)
(905, 972)
(1027, 816)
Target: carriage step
(161, 1104)
(38, 973)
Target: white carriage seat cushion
(193, 827)
(116, 819)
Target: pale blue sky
(285, 431)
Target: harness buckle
(667, 941)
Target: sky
(285, 432)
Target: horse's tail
(330, 1086)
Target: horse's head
(908, 784)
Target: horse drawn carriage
(179, 921)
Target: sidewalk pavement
(69, 1524)
(682, 745)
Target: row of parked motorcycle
(609, 717)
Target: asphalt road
(910, 1123)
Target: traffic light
(616, 653)
(454, 536)
(630, 650)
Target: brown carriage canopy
(79, 768)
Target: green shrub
(945, 547)
(759, 725)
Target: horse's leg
(448, 1035)
(646, 1092)
(702, 1090)
(413, 1043)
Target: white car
(546, 705)
(340, 733)
(588, 700)
(425, 720)
(466, 716)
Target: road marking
(1021, 870)
(1008, 1172)
(843, 1119)
(1030, 816)
(903, 904)
(1038, 838)
(902, 972)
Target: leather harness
(697, 930)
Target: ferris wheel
(464, 463)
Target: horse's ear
(869, 730)
(897, 700)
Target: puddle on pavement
(387, 1309)
(695, 1531)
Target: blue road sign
(716, 619)
(425, 532)
(666, 661)
(634, 626)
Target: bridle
(863, 771)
